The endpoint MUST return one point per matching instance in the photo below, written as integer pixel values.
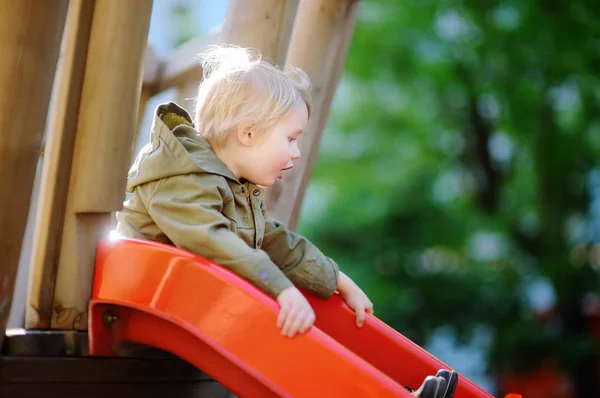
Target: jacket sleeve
(304, 264)
(193, 221)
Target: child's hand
(355, 298)
(359, 302)
(295, 315)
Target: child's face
(275, 151)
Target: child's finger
(289, 322)
(296, 325)
(283, 313)
(360, 316)
(308, 322)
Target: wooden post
(56, 166)
(319, 45)
(105, 130)
(30, 32)
(262, 24)
(180, 66)
(180, 69)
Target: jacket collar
(177, 121)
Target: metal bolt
(109, 318)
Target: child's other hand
(359, 302)
(295, 315)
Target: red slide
(154, 294)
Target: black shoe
(451, 378)
(432, 387)
(442, 386)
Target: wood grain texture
(56, 166)
(262, 24)
(105, 130)
(105, 377)
(319, 43)
(30, 33)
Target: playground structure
(85, 288)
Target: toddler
(198, 185)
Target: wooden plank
(96, 369)
(319, 44)
(105, 377)
(262, 24)
(181, 65)
(56, 166)
(31, 32)
(105, 130)
(114, 390)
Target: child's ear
(246, 133)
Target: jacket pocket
(239, 212)
(240, 222)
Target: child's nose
(296, 154)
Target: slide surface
(154, 294)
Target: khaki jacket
(181, 193)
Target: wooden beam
(179, 69)
(319, 45)
(56, 166)
(115, 377)
(262, 24)
(181, 65)
(105, 130)
(31, 32)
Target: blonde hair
(239, 85)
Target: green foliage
(455, 170)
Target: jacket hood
(175, 148)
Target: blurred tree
(183, 17)
(456, 182)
